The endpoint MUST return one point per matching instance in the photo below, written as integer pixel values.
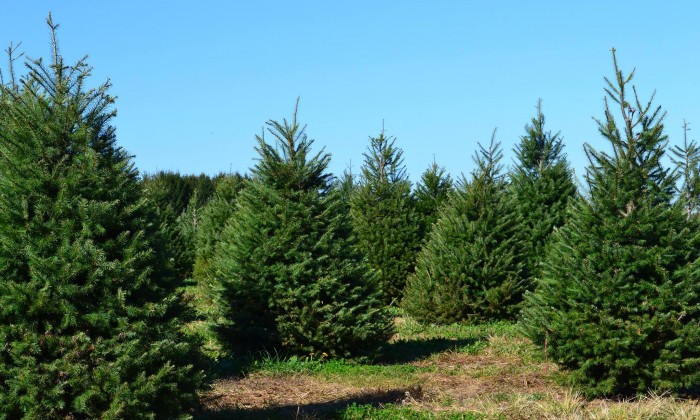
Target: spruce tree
(687, 160)
(203, 294)
(431, 193)
(89, 323)
(542, 183)
(470, 267)
(384, 218)
(286, 266)
(618, 302)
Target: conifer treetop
(287, 164)
(488, 162)
(383, 160)
(538, 150)
(687, 160)
(637, 149)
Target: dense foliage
(89, 322)
(470, 268)
(543, 186)
(286, 267)
(619, 299)
(431, 193)
(112, 285)
(384, 217)
(207, 224)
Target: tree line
(117, 290)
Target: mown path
(487, 371)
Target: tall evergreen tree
(618, 302)
(89, 323)
(286, 266)
(543, 185)
(431, 193)
(470, 267)
(384, 218)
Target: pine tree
(431, 193)
(286, 265)
(203, 294)
(384, 218)
(470, 267)
(618, 302)
(89, 323)
(687, 160)
(543, 185)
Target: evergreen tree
(687, 160)
(618, 302)
(286, 265)
(470, 267)
(203, 294)
(431, 193)
(384, 219)
(176, 192)
(543, 185)
(178, 200)
(89, 323)
(346, 187)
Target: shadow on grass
(407, 351)
(328, 409)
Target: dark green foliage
(178, 199)
(346, 187)
(89, 323)
(470, 267)
(176, 192)
(543, 186)
(431, 193)
(619, 299)
(210, 221)
(384, 218)
(286, 266)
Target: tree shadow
(327, 409)
(407, 351)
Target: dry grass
(506, 378)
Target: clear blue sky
(196, 81)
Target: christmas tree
(384, 218)
(89, 322)
(470, 267)
(543, 186)
(618, 300)
(286, 266)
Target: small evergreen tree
(543, 185)
(470, 267)
(384, 219)
(89, 323)
(286, 265)
(431, 193)
(687, 160)
(618, 302)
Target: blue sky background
(196, 81)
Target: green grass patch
(394, 412)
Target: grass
(426, 372)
